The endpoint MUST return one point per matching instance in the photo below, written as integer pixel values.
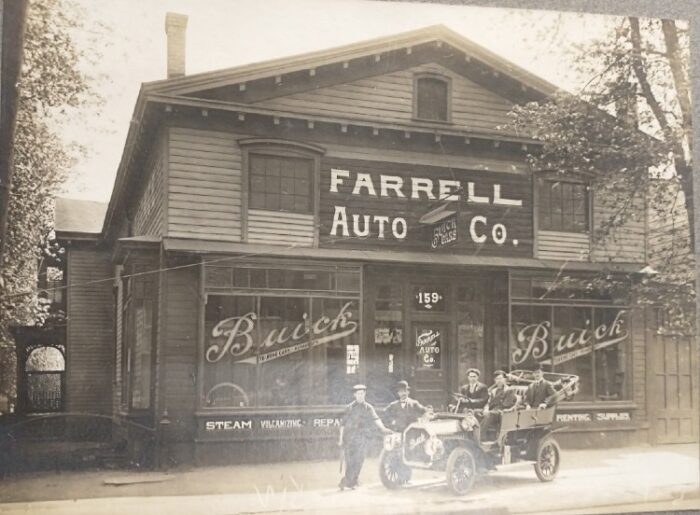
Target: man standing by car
(540, 392)
(501, 398)
(355, 432)
(403, 412)
(475, 393)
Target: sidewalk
(611, 478)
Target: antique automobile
(451, 441)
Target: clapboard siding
(669, 230)
(278, 228)
(389, 98)
(90, 332)
(148, 218)
(179, 341)
(567, 246)
(626, 242)
(204, 184)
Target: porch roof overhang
(193, 246)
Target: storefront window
(300, 349)
(385, 366)
(572, 351)
(591, 342)
(137, 339)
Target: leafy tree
(628, 131)
(52, 88)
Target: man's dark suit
(398, 416)
(538, 393)
(476, 397)
(500, 398)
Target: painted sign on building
(366, 204)
(537, 341)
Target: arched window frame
(435, 76)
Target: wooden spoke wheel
(548, 459)
(461, 470)
(392, 470)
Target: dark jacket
(474, 399)
(501, 398)
(359, 421)
(539, 392)
(399, 417)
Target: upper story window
(280, 183)
(280, 175)
(432, 98)
(563, 206)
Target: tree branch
(680, 80)
(641, 74)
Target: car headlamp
(469, 422)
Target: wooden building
(281, 231)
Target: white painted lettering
(391, 182)
(419, 185)
(498, 200)
(340, 219)
(337, 178)
(478, 238)
(364, 181)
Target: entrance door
(430, 363)
(674, 402)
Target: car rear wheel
(461, 470)
(392, 470)
(548, 459)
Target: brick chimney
(175, 28)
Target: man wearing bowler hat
(540, 392)
(359, 422)
(404, 411)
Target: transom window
(432, 98)
(281, 183)
(563, 206)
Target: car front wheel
(392, 470)
(461, 470)
(548, 459)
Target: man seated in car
(404, 411)
(475, 393)
(501, 398)
(540, 393)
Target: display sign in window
(428, 345)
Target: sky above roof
(129, 36)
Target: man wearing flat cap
(540, 393)
(359, 422)
(404, 411)
(475, 392)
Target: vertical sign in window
(428, 346)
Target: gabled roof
(79, 216)
(186, 91)
(276, 67)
